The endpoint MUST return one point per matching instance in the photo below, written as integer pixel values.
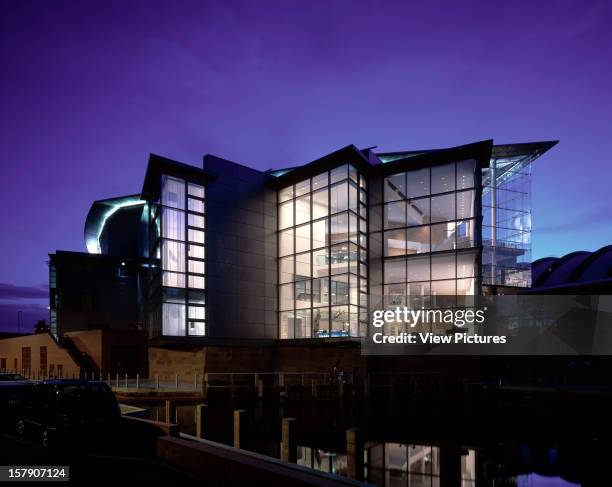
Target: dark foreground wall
(241, 253)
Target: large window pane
(443, 178)
(319, 234)
(195, 220)
(173, 319)
(286, 269)
(173, 279)
(417, 212)
(302, 209)
(286, 296)
(443, 208)
(339, 228)
(195, 190)
(173, 256)
(287, 324)
(320, 291)
(302, 294)
(395, 187)
(443, 266)
(339, 197)
(285, 215)
(395, 214)
(338, 174)
(195, 205)
(196, 251)
(286, 242)
(319, 181)
(340, 289)
(340, 323)
(466, 264)
(466, 234)
(417, 240)
(320, 322)
(196, 282)
(285, 194)
(353, 199)
(339, 258)
(303, 187)
(302, 238)
(418, 269)
(353, 233)
(173, 192)
(395, 242)
(466, 202)
(443, 237)
(195, 235)
(196, 266)
(417, 183)
(465, 174)
(173, 224)
(303, 327)
(302, 266)
(320, 262)
(320, 204)
(395, 271)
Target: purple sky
(89, 89)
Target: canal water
(521, 446)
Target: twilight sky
(89, 89)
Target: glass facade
(322, 264)
(430, 235)
(178, 249)
(506, 222)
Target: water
(405, 444)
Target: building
(226, 252)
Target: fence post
(117, 381)
(126, 381)
(239, 419)
(200, 414)
(314, 388)
(289, 451)
(168, 411)
(176, 381)
(195, 381)
(157, 381)
(137, 381)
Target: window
(195, 235)
(395, 187)
(173, 224)
(417, 183)
(181, 251)
(322, 225)
(173, 319)
(195, 190)
(428, 216)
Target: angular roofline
(159, 165)
(349, 153)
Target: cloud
(30, 314)
(11, 292)
(596, 217)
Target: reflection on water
(396, 452)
